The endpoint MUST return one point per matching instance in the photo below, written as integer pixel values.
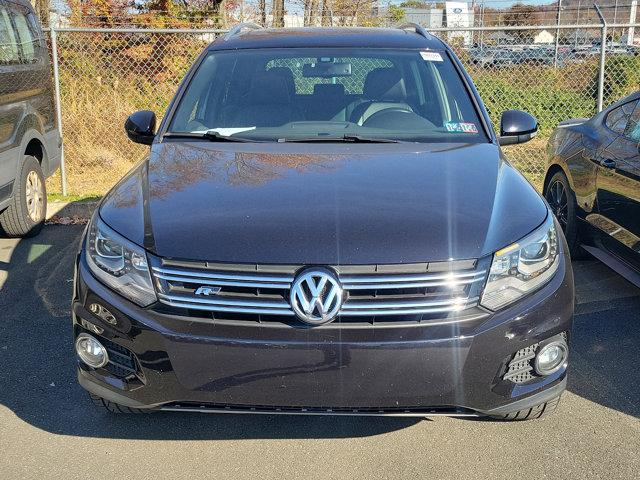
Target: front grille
(382, 292)
(122, 362)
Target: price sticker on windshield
(461, 127)
(431, 56)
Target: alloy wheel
(559, 203)
(34, 195)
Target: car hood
(316, 203)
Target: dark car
(325, 224)
(593, 185)
(30, 142)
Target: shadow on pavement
(606, 339)
(37, 364)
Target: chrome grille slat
(389, 286)
(217, 301)
(455, 302)
(404, 311)
(223, 283)
(385, 278)
(216, 308)
(224, 276)
(388, 282)
(386, 294)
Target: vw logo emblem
(316, 296)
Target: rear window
(353, 84)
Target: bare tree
(262, 12)
(312, 11)
(349, 12)
(277, 10)
(327, 18)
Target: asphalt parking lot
(48, 428)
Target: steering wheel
(386, 111)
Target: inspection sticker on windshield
(461, 127)
(431, 56)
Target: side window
(8, 42)
(632, 130)
(25, 37)
(618, 118)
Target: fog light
(91, 351)
(551, 357)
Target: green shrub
(549, 105)
(621, 77)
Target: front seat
(287, 76)
(384, 88)
(328, 103)
(269, 103)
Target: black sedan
(593, 185)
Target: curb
(79, 210)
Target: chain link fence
(104, 75)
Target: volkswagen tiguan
(325, 224)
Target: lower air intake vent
(520, 369)
(122, 362)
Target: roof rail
(419, 29)
(241, 27)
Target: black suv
(30, 142)
(325, 224)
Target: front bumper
(404, 370)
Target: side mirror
(141, 127)
(517, 127)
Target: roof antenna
(241, 27)
(419, 29)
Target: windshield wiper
(211, 135)
(342, 138)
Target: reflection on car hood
(323, 203)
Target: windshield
(310, 94)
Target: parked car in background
(502, 57)
(593, 185)
(30, 142)
(325, 224)
(481, 57)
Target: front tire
(563, 204)
(539, 411)
(25, 216)
(107, 406)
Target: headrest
(269, 88)
(287, 75)
(385, 84)
(328, 89)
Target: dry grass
(97, 149)
(530, 159)
(104, 78)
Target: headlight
(118, 263)
(522, 267)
